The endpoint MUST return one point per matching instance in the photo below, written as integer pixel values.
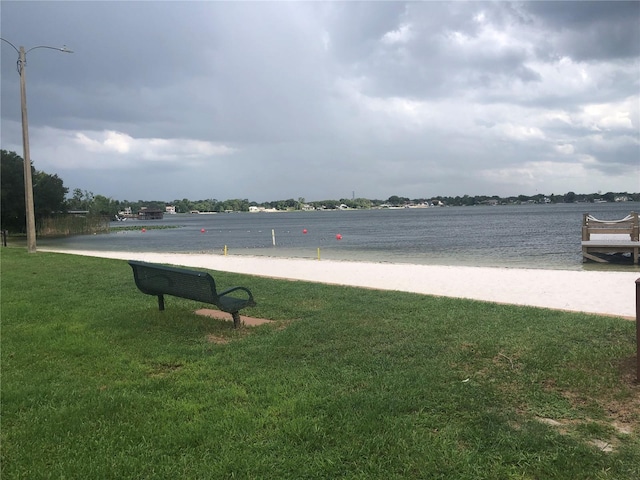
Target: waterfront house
(150, 214)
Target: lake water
(523, 236)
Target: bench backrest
(154, 279)
(626, 226)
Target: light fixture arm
(60, 49)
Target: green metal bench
(159, 280)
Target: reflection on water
(531, 236)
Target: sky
(266, 101)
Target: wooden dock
(604, 240)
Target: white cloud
(326, 40)
(531, 174)
(55, 150)
(565, 149)
(151, 149)
(607, 116)
(110, 142)
(401, 35)
(520, 132)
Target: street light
(28, 183)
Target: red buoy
(304, 230)
(338, 237)
(143, 230)
(202, 230)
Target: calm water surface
(524, 236)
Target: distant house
(150, 214)
(254, 209)
(170, 209)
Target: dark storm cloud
(590, 30)
(318, 99)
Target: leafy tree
(468, 201)
(362, 203)
(327, 204)
(208, 205)
(12, 191)
(234, 205)
(102, 205)
(81, 200)
(288, 204)
(397, 201)
(183, 206)
(48, 192)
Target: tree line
(48, 193)
(51, 198)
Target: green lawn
(346, 383)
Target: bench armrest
(233, 289)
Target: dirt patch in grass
(217, 340)
(626, 414)
(628, 370)
(622, 416)
(607, 440)
(218, 315)
(163, 369)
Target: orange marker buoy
(338, 237)
(304, 230)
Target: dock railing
(605, 240)
(626, 226)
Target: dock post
(585, 229)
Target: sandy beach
(608, 293)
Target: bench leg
(161, 302)
(236, 319)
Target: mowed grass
(346, 383)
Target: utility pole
(28, 182)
